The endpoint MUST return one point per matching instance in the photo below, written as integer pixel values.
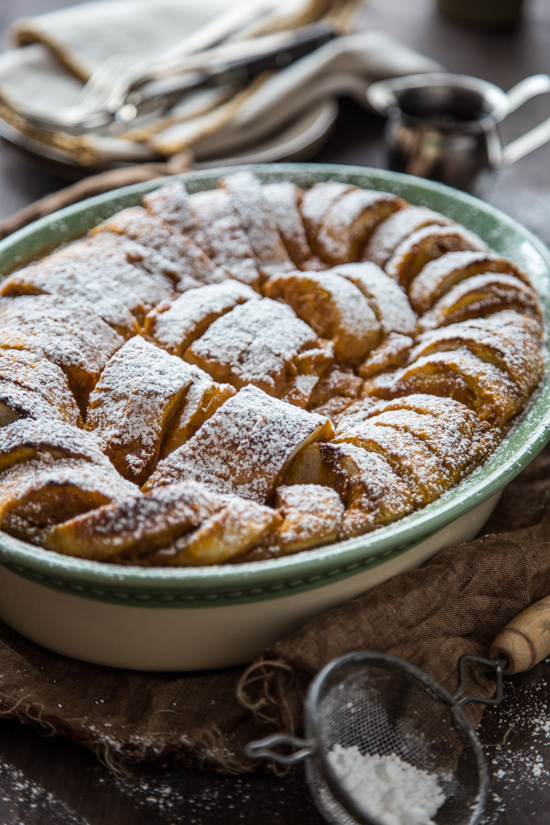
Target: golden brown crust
(479, 296)
(392, 352)
(284, 199)
(333, 307)
(312, 515)
(220, 233)
(440, 275)
(37, 494)
(315, 204)
(140, 391)
(398, 226)
(349, 222)
(46, 439)
(174, 326)
(265, 344)
(231, 531)
(177, 256)
(245, 447)
(511, 347)
(31, 386)
(112, 276)
(457, 374)
(425, 245)
(135, 526)
(67, 333)
(253, 208)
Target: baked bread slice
(69, 334)
(245, 448)
(479, 296)
(35, 495)
(333, 307)
(265, 344)
(174, 326)
(312, 515)
(441, 274)
(178, 257)
(31, 386)
(427, 244)
(139, 396)
(396, 228)
(103, 274)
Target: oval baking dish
(210, 617)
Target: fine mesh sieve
(385, 706)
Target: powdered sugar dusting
(100, 273)
(179, 257)
(175, 326)
(390, 303)
(221, 234)
(391, 232)
(253, 208)
(139, 390)
(438, 276)
(244, 447)
(283, 199)
(312, 515)
(31, 385)
(253, 344)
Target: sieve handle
(525, 640)
(265, 749)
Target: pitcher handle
(538, 84)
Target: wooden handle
(525, 640)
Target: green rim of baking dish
(256, 581)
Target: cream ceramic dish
(210, 617)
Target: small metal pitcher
(443, 126)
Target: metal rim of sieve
(310, 746)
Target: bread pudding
(254, 371)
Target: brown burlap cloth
(455, 604)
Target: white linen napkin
(57, 52)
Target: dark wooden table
(49, 781)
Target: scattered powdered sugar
(387, 787)
(19, 793)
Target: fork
(102, 91)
